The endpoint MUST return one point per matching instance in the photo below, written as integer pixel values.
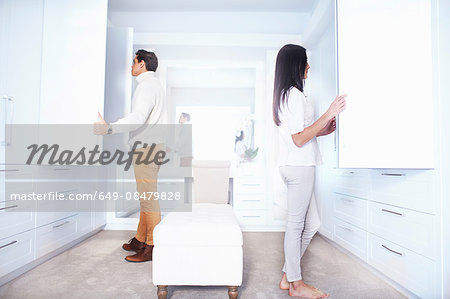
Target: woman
(298, 155)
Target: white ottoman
(202, 247)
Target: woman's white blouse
(295, 115)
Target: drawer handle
(250, 216)
(10, 207)
(346, 228)
(67, 191)
(5, 170)
(347, 200)
(63, 169)
(392, 212)
(251, 184)
(387, 248)
(393, 174)
(59, 225)
(253, 200)
(10, 243)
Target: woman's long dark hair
(289, 72)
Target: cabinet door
(20, 65)
(385, 67)
(73, 61)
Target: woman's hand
(329, 128)
(336, 107)
(325, 123)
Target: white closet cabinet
(52, 62)
(378, 199)
(384, 65)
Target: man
(184, 118)
(148, 108)
(183, 146)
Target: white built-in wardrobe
(381, 191)
(52, 62)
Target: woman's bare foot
(284, 284)
(300, 289)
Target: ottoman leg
(233, 292)
(162, 292)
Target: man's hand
(101, 126)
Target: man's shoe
(133, 245)
(143, 255)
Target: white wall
(213, 97)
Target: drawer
(350, 209)
(411, 270)
(412, 189)
(52, 236)
(57, 179)
(413, 230)
(251, 217)
(249, 201)
(16, 251)
(351, 238)
(44, 218)
(15, 180)
(352, 182)
(12, 222)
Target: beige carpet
(95, 268)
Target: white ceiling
(304, 6)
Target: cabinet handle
(58, 169)
(10, 243)
(5, 170)
(10, 207)
(251, 184)
(250, 216)
(393, 174)
(67, 191)
(392, 212)
(59, 225)
(9, 106)
(387, 248)
(346, 228)
(7, 98)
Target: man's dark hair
(150, 59)
(187, 116)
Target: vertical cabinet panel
(384, 65)
(118, 79)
